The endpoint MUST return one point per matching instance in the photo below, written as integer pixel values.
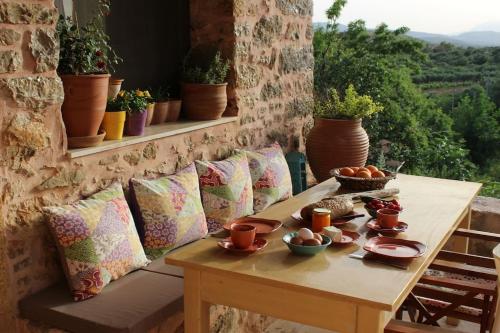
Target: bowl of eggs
(362, 178)
(305, 242)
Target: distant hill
(471, 38)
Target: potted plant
(204, 86)
(137, 112)
(115, 116)
(337, 138)
(84, 64)
(115, 86)
(161, 99)
(174, 105)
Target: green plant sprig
(215, 72)
(353, 106)
(131, 102)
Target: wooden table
(329, 290)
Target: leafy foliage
(130, 101)
(352, 107)
(85, 50)
(161, 94)
(205, 70)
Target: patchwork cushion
(169, 211)
(97, 241)
(226, 189)
(271, 178)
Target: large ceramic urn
(335, 143)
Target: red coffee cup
(387, 218)
(242, 235)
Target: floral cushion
(226, 189)
(170, 211)
(271, 178)
(97, 241)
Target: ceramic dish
(262, 226)
(306, 250)
(373, 225)
(257, 245)
(395, 248)
(348, 237)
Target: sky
(435, 16)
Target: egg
(305, 234)
(296, 241)
(318, 236)
(312, 242)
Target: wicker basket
(363, 184)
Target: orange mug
(242, 235)
(387, 218)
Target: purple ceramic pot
(136, 122)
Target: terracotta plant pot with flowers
(85, 61)
(337, 138)
(204, 86)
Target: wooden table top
(433, 208)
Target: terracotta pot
(115, 85)
(161, 113)
(85, 98)
(113, 124)
(334, 143)
(136, 122)
(174, 110)
(151, 111)
(204, 101)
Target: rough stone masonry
(270, 90)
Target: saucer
(257, 245)
(262, 226)
(348, 237)
(401, 227)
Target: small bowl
(306, 250)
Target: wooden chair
(458, 285)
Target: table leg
(461, 244)
(196, 311)
(370, 320)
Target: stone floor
(282, 326)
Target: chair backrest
(496, 255)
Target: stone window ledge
(153, 132)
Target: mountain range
(470, 38)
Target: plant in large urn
(85, 61)
(337, 138)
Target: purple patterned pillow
(97, 241)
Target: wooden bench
(396, 326)
(135, 303)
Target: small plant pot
(136, 122)
(151, 111)
(160, 113)
(113, 124)
(174, 110)
(204, 101)
(115, 85)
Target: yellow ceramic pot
(113, 124)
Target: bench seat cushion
(134, 303)
(159, 266)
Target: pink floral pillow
(226, 189)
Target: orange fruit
(372, 168)
(364, 169)
(355, 169)
(363, 174)
(378, 174)
(347, 172)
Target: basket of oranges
(362, 178)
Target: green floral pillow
(97, 241)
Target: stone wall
(270, 90)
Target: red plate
(338, 222)
(258, 244)
(348, 237)
(395, 247)
(401, 227)
(262, 226)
